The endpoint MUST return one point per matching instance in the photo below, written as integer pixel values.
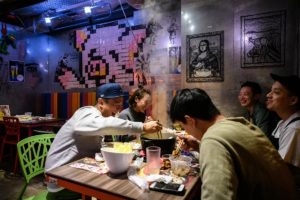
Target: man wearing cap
(284, 99)
(80, 136)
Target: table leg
(29, 132)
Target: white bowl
(116, 162)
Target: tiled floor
(11, 186)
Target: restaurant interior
(62, 62)
(54, 53)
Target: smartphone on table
(172, 188)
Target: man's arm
(89, 121)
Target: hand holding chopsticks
(152, 127)
(148, 119)
(188, 142)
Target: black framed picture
(263, 39)
(205, 57)
(16, 71)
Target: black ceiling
(65, 14)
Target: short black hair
(193, 102)
(256, 89)
(291, 83)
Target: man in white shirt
(284, 99)
(81, 135)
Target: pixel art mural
(109, 59)
(119, 52)
(109, 53)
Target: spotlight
(47, 20)
(192, 27)
(186, 16)
(87, 10)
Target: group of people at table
(236, 156)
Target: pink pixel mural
(108, 54)
(115, 52)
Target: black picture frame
(205, 57)
(263, 39)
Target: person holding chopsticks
(81, 135)
(237, 160)
(139, 101)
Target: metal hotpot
(166, 141)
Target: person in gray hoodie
(81, 135)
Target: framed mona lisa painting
(205, 57)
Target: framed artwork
(16, 71)
(205, 57)
(4, 111)
(174, 60)
(263, 39)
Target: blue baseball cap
(109, 91)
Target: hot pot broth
(165, 140)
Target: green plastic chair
(32, 153)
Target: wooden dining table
(114, 187)
(30, 125)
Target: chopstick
(159, 134)
(114, 138)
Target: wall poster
(174, 60)
(263, 39)
(4, 111)
(205, 57)
(16, 71)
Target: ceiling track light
(48, 20)
(87, 10)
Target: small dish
(180, 166)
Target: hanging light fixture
(48, 15)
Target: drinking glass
(153, 160)
(49, 116)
